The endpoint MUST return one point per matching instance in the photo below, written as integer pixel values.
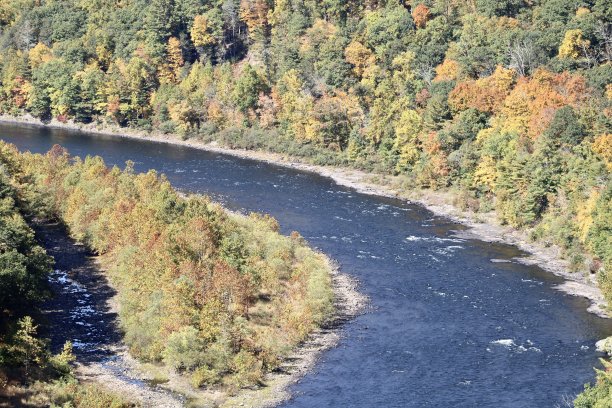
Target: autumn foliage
(185, 270)
(507, 103)
(484, 94)
(420, 15)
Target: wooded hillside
(506, 101)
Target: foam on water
(82, 345)
(511, 345)
(413, 238)
(337, 217)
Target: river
(453, 322)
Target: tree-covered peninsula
(220, 298)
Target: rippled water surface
(450, 325)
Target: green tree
(160, 24)
(386, 31)
(507, 8)
(28, 347)
(599, 395)
(565, 128)
(247, 89)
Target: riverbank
(86, 309)
(483, 226)
(153, 386)
(348, 303)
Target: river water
(453, 322)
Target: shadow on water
(80, 309)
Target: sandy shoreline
(481, 226)
(349, 303)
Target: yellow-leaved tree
(448, 70)
(170, 71)
(295, 106)
(573, 45)
(359, 56)
(485, 175)
(39, 55)
(407, 130)
(602, 146)
(201, 33)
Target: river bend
(453, 322)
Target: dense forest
(221, 298)
(507, 102)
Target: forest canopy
(507, 103)
(220, 297)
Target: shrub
(61, 362)
(184, 349)
(247, 370)
(204, 376)
(71, 394)
(599, 395)
(188, 274)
